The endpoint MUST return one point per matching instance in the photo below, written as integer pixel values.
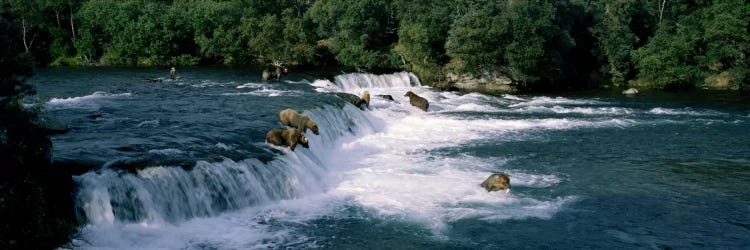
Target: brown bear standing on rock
(366, 98)
(418, 101)
(290, 138)
(291, 118)
(497, 182)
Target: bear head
(313, 126)
(303, 141)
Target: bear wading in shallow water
(418, 101)
(497, 182)
(287, 138)
(291, 118)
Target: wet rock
(497, 182)
(630, 91)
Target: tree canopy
(535, 43)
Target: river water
(184, 165)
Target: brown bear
(290, 138)
(366, 98)
(418, 101)
(291, 118)
(496, 182)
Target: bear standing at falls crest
(290, 117)
(290, 138)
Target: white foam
(224, 146)
(303, 81)
(149, 123)
(208, 83)
(356, 82)
(685, 111)
(250, 228)
(86, 100)
(264, 91)
(251, 85)
(512, 97)
(576, 110)
(166, 151)
(543, 100)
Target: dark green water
(183, 165)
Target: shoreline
(462, 84)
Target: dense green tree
(422, 32)
(477, 39)
(215, 31)
(703, 45)
(665, 61)
(616, 40)
(536, 43)
(359, 33)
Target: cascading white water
(172, 194)
(355, 82)
(382, 159)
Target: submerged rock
(386, 97)
(497, 182)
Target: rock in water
(353, 99)
(497, 182)
(387, 97)
(630, 91)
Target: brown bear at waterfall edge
(418, 101)
(366, 98)
(291, 118)
(284, 138)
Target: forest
(657, 44)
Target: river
(184, 165)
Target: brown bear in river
(418, 101)
(291, 118)
(497, 182)
(366, 98)
(290, 137)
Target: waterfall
(355, 82)
(173, 194)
